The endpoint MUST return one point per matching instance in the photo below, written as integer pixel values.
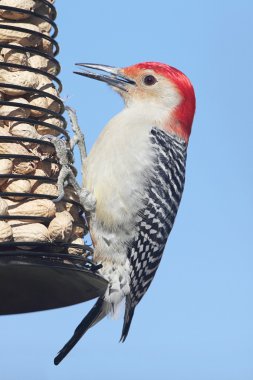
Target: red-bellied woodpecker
(136, 172)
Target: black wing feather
(155, 221)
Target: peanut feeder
(41, 222)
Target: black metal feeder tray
(41, 280)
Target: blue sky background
(196, 321)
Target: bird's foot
(64, 154)
(78, 138)
(87, 200)
(65, 159)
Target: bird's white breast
(117, 168)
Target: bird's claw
(64, 154)
(87, 200)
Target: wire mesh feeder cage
(44, 262)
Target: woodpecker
(136, 173)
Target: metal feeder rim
(34, 14)
(36, 93)
(53, 255)
(31, 107)
(34, 158)
(14, 139)
(52, 77)
(37, 122)
(27, 157)
(29, 176)
(30, 49)
(41, 219)
(51, 7)
(40, 196)
(33, 32)
(49, 246)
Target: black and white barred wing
(155, 220)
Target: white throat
(146, 113)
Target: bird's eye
(149, 80)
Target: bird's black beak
(115, 77)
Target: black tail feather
(94, 315)
(129, 313)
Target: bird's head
(156, 89)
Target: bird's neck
(147, 113)
(154, 115)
